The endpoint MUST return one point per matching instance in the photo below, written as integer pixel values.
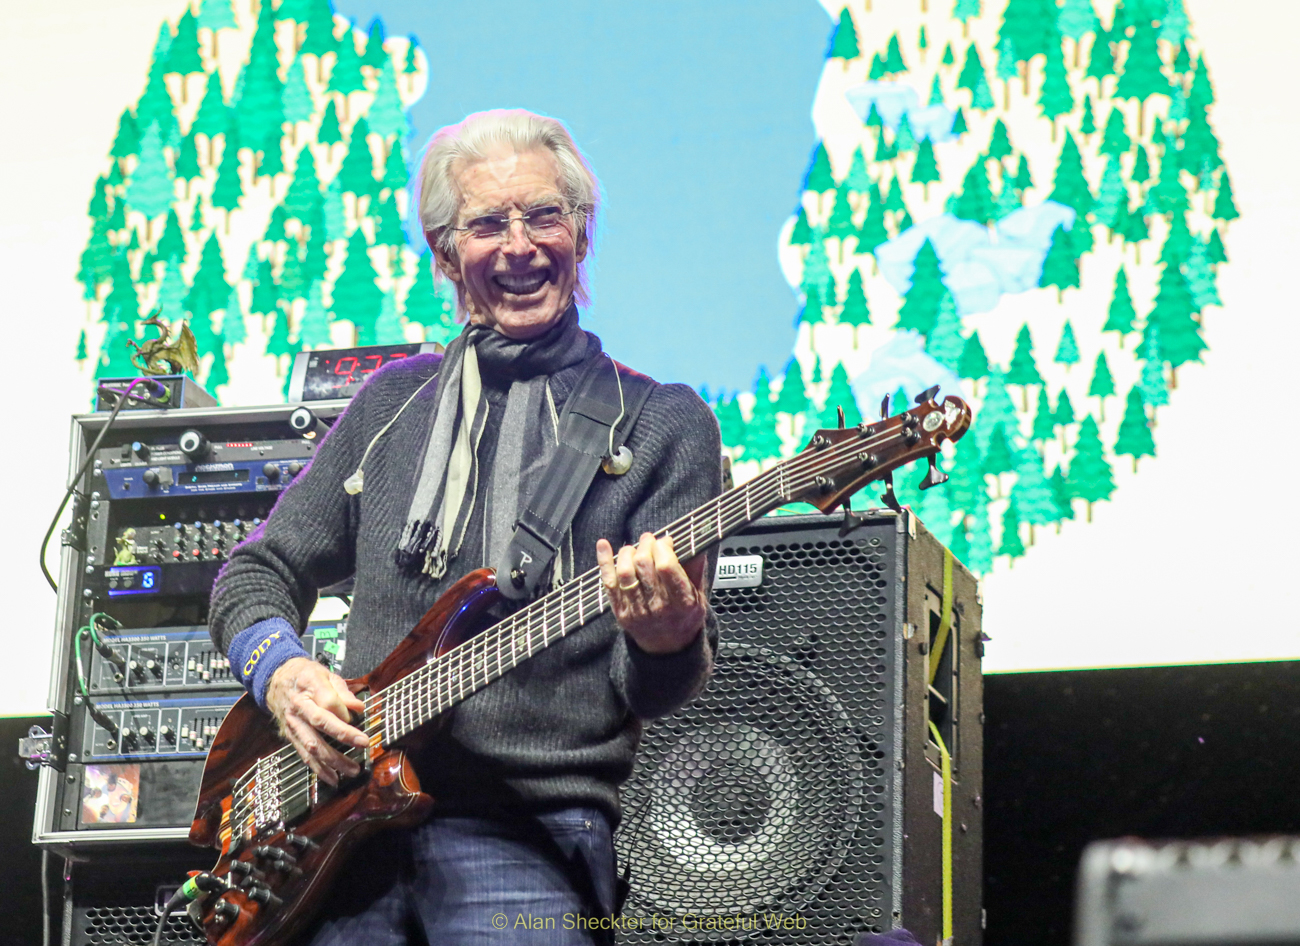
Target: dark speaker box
(114, 897)
(1244, 891)
(799, 798)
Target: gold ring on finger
(636, 583)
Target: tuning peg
(884, 407)
(934, 476)
(850, 522)
(839, 412)
(888, 497)
(927, 394)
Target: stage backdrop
(1076, 215)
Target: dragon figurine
(163, 355)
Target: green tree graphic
(1090, 477)
(945, 342)
(387, 114)
(1134, 438)
(375, 55)
(1102, 385)
(1142, 76)
(921, 303)
(1055, 99)
(793, 398)
(152, 187)
(975, 202)
(761, 439)
(183, 57)
(844, 42)
(356, 294)
(1151, 379)
(840, 394)
(1067, 349)
(1070, 187)
(973, 363)
(1023, 370)
(1061, 265)
(856, 311)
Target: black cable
(191, 890)
(45, 897)
(90, 456)
(178, 898)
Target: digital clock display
(327, 375)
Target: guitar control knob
(225, 911)
(302, 844)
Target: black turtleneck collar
(561, 346)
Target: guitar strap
(595, 423)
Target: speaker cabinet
(799, 799)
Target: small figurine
(163, 356)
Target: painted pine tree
(1134, 438)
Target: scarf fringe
(418, 539)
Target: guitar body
(282, 876)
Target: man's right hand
(310, 702)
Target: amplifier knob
(193, 444)
(271, 471)
(295, 468)
(150, 477)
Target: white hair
(454, 146)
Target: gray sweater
(557, 731)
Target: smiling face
(519, 284)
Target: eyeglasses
(539, 222)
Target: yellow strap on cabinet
(946, 768)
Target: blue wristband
(257, 652)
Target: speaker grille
(768, 796)
(122, 925)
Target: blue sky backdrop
(696, 116)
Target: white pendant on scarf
(619, 463)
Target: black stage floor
(1171, 752)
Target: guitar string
(397, 695)
(407, 699)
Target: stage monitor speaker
(114, 896)
(1243, 891)
(800, 798)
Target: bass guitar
(283, 835)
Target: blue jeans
(457, 881)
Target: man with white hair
(439, 455)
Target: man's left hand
(659, 601)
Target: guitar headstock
(837, 463)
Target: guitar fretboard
(441, 684)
